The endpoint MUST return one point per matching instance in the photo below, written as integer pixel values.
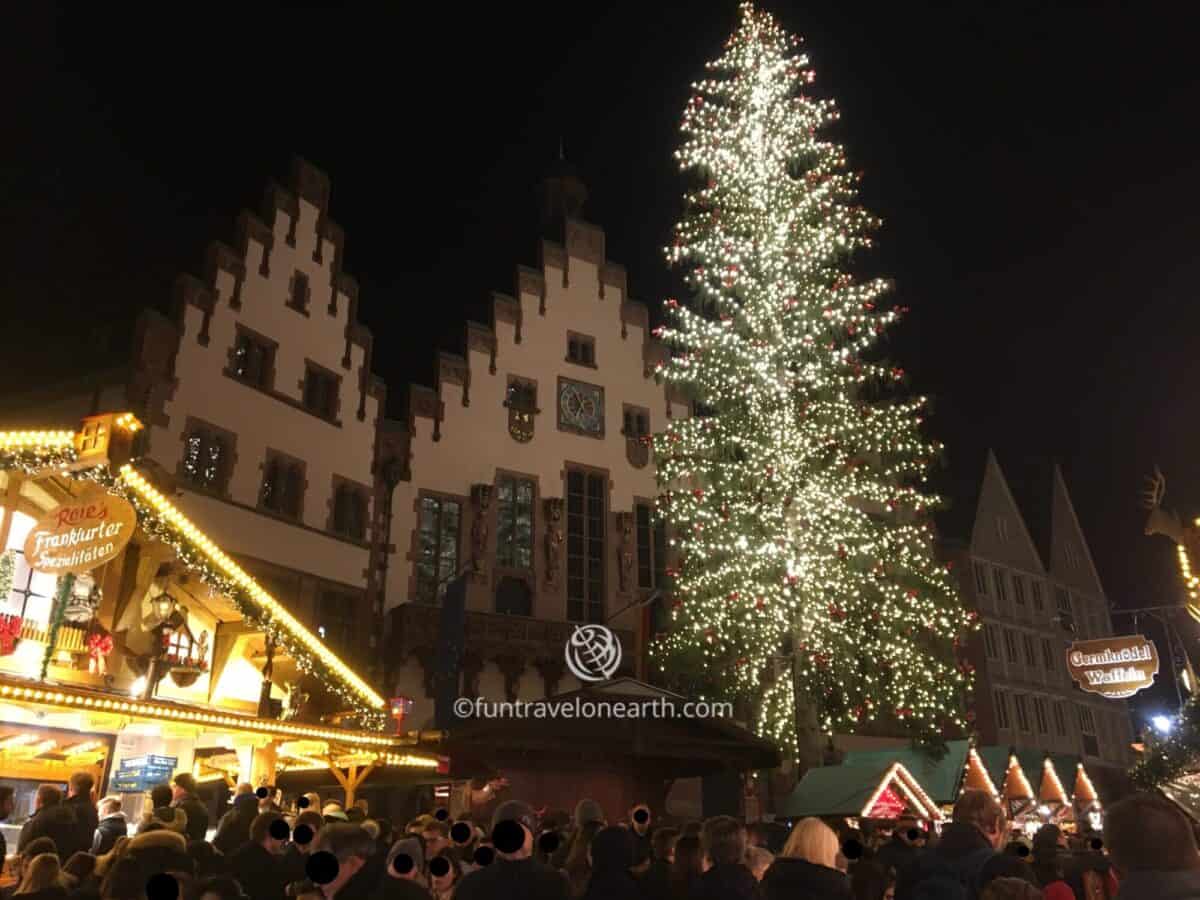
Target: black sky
(1033, 166)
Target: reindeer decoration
(1161, 521)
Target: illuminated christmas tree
(796, 494)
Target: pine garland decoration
(57, 612)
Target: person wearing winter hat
(515, 873)
(234, 828)
(404, 874)
(333, 812)
(613, 853)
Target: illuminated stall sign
(81, 534)
(1115, 667)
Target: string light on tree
(796, 494)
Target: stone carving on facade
(481, 500)
(554, 538)
(625, 552)
(552, 670)
(511, 666)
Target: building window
(1001, 709)
(1062, 602)
(30, 596)
(350, 511)
(253, 360)
(1030, 652)
(981, 581)
(206, 459)
(1021, 704)
(437, 561)
(1087, 729)
(320, 392)
(282, 489)
(1010, 646)
(1060, 720)
(586, 496)
(1039, 715)
(651, 548)
(337, 618)
(581, 349)
(1048, 654)
(1038, 603)
(1019, 590)
(1001, 589)
(990, 643)
(1002, 528)
(298, 294)
(514, 525)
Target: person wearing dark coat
(656, 882)
(80, 799)
(53, 819)
(728, 878)
(184, 797)
(234, 828)
(903, 848)
(799, 879)
(515, 873)
(110, 827)
(258, 864)
(614, 853)
(968, 850)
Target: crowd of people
(72, 848)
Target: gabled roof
(996, 501)
(849, 791)
(1067, 537)
(942, 779)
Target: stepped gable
(582, 241)
(284, 218)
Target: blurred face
(434, 843)
(6, 806)
(443, 882)
(640, 817)
(890, 893)
(177, 792)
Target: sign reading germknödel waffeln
(1114, 667)
(81, 534)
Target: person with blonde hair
(807, 867)
(43, 876)
(105, 861)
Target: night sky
(1041, 198)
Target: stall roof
(941, 778)
(849, 790)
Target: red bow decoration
(10, 633)
(99, 644)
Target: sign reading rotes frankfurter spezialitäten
(81, 534)
(1114, 667)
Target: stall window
(32, 592)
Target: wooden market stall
(127, 634)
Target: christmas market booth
(889, 783)
(133, 647)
